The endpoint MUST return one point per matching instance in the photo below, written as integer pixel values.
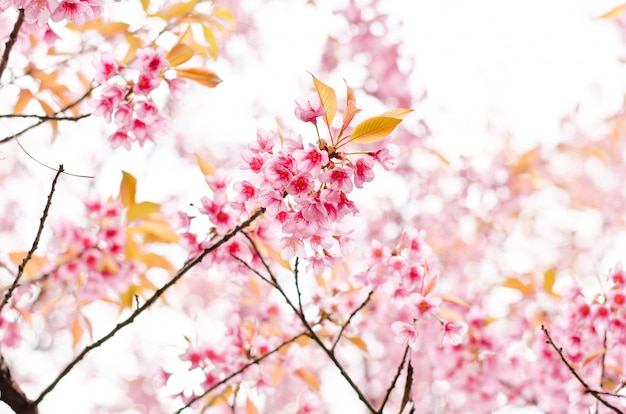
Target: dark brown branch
(149, 302)
(11, 393)
(596, 394)
(239, 371)
(29, 255)
(352, 315)
(394, 380)
(47, 117)
(313, 335)
(12, 39)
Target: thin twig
(240, 370)
(149, 302)
(47, 117)
(12, 39)
(29, 255)
(594, 393)
(329, 353)
(395, 379)
(345, 325)
(296, 274)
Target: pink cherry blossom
(309, 110)
(453, 332)
(406, 334)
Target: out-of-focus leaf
(206, 167)
(138, 211)
(34, 265)
(210, 38)
(517, 284)
(203, 76)
(145, 4)
(77, 331)
(615, 12)
(549, 277)
(593, 356)
(432, 284)
(250, 407)
(50, 112)
(155, 230)
(358, 342)
(278, 374)
(179, 54)
(178, 10)
(308, 377)
(128, 187)
(23, 99)
(134, 43)
(304, 340)
(329, 99)
(113, 29)
(454, 299)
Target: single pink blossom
(453, 332)
(406, 334)
(309, 110)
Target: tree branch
(11, 393)
(29, 255)
(12, 39)
(240, 370)
(149, 302)
(394, 380)
(345, 325)
(596, 394)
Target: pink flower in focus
(338, 178)
(151, 61)
(311, 159)
(301, 184)
(308, 111)
(363, 172)
(406, 334)
(386, 156)
(453, 332)
(426, 306)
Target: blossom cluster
(126, 98)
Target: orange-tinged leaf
(34, 265)
(250, 407)
(178, 10)
(593, 356)
(304, 340)
(358, 342)
(22, 100)
(128, 187)
(25, 314)
(454, 299)
(278, 374)
(206, 167)
(187, 37)
(50, 112)
(179, 54)
(134, 43)
(615, 12)
(156, 260)
(514, 283)
(549, 277)
(145, 4)
(77, 331)
(203, 76)
(223, 13)
(432, 283)
(308, 377)
(114, 29)
(374, 129)
(141, 210)
(281, 137)
(329, 99)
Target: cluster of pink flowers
(92, 259)
(126, 98)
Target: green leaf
(329, 99)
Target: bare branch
(394, 380)
(149, 302)
(12, 39)
(29, 255)
(240, 370)
(345, 325)
(596, 394)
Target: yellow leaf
(114, 29)
(223, 13)
(374, 129)
(514, 283)
(179, 54)
(204, 77)
(206, 167)
(398, 113)
(145, 4)
(132, 250)
(210, 38)
(329, 99)
(128, 186)
(50, 112)
(22, 100)
(141, 210)
(134, 43)
(358, 342)
(549, 278)
(187, 37)
(178, 10)
(303, 341)
(156, 230)
(278, 374)
(156, 260)
(308, 377)
(615, 12)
